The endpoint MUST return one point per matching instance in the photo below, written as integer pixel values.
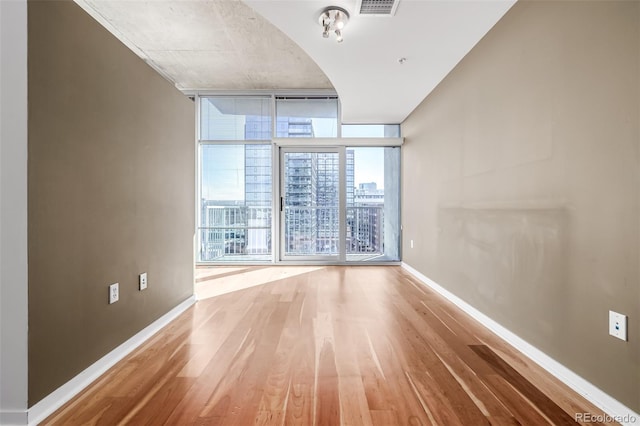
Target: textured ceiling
(216, 45)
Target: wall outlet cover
(618, 325)
(114, 293)
(143, 281)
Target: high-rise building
(258, 182)
(350, 175)
(312, 187)
(368, 186)
(258, 199)
(368, 219)
(300, 185)
(294, 127)
(368, 193)
(328, 201)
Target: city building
(368, 219)
(244, 226)
(368, 193)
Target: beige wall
(526, 162)
(111, 193)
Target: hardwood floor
(360, 345)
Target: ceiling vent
(377, 7)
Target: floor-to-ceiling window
(373, 204)
(235, 180)
(306, 194)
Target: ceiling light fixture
(333, 19)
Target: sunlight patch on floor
(251, 278)
(203, 273)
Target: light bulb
(338, 22)
(339, 36)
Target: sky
(369, 166)
(222, 172)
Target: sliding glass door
(311, 193)
(340, 204)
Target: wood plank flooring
(358, 345)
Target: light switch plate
(618, 325)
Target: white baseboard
(614, 408)
(64, 393)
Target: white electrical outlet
(618, 325)
(114, 293)
(143, 281)
(411, 243)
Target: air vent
(377, 7)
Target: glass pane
(239, 118)
(373, 204)
(311, 207)
(370, 130)
(306, 118)
(235, 203)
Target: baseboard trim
(64, 393)
(614, 408)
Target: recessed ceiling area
(278, 44)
